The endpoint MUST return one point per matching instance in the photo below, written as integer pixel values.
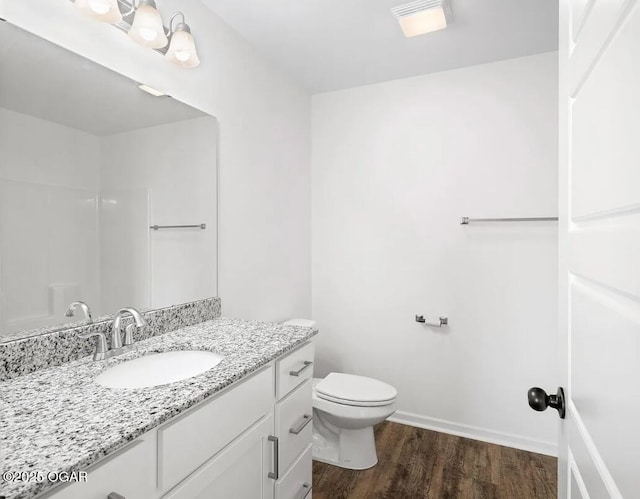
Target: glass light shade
(147, 29)
(106, 11)
(182, 50)
(422, 22)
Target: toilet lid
(355, 390)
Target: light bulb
(182, 48)
(147, 29)
(148, 34)
(102, 10)
(99, 6)
(182, 55)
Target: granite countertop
(59, 419)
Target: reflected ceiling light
(147, 29)
(151, 90)
(422, 16)
(106, 11)
(182, 48)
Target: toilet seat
(355, 403)
(351, 411)
(360, 391)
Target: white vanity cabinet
(130, 472)
(293, 423)
(250, 441)
(239, 471)
(199, 435)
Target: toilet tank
(300, 322)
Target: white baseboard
(475, 433)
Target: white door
(600, 247)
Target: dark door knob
(539, 400)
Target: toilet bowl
(345, 409)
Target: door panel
(582, 460)
(605, 149)
(579, 11)
(595, 29)
(600, 246)
(605, 369)
(577, 488)
(575, 491)
(608, 254)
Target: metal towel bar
(467, 220)
(158, 227)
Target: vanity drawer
(294, 369)
(187, 442)
(129, 472)
(296, 483)
(294, 424)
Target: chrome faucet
(102, 351)
(71, 311)
(116, 334)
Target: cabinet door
(188, 441)
(240, 471)
(130, 472)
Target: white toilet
(345, 409)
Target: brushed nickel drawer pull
(307, 363)
(304, 421)
(115, 495)
(276, 457)
(304, 492)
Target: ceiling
(44, 80)
(333, 44)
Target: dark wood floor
(416, 463)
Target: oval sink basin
(158, 369)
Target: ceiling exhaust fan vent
(423, 16)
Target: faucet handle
(128, 334)
(101, 344)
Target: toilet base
(351, 449)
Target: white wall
(48, 197)
(161, 175)
(394, 167)
(264, 174)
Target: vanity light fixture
(182, 48)
(142, 21)
(106, 11)
(151, 90)
(422, 16)
(147, 29)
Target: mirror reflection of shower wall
(169, 169)
(49, 237)
(88, 163)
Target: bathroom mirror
(90, 163)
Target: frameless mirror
(90, 164)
